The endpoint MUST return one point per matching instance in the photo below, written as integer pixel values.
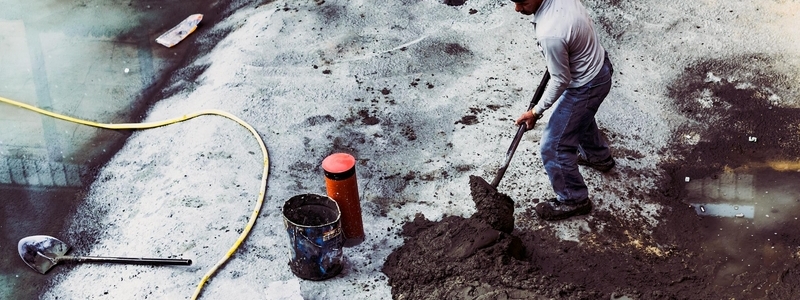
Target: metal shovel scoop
(42, 252)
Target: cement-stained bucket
(313, 223)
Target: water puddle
(739, 170)
(59, 56)
(724, 210)
(764, 194)
(29, 210)
(755, 210)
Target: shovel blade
(40, 251)
(479, 185)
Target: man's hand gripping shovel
(522, 128)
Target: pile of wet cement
(481, 257)
(461, 258)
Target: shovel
(522, 128)
(42, 252)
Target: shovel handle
(128, 260)
(522, 128)
(540, 89)
(509, 154)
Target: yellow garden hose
(149, 125)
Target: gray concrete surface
(397, 85)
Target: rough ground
(723, 95)
(424, 94)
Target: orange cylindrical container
(342, 187)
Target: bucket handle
(325, 236)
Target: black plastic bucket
(315, 233)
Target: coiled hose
(149, 125)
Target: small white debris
(127, 70)
(767, 216)
(710, 77)
(687, 179)
(180, 31)
(740, 215)
(752, 139)
(703, 209)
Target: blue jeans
(572, 129)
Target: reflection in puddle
(26, 211)
(59, 56)
(768, 193)
(725, 210)
(753, 220)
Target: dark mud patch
(739, 111)
(455, 2)
(365, 116)
(436, 252)
(409, 133)
(481, 258)
(466, 258)
(318, 120)
(439, 56)
(368, 119)
(468, 120)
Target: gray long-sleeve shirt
(570, 46)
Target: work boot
(602, 166)
(553, 210)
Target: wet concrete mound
(483, 257)
(493, 208)
(451, 259)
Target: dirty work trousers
(571, 130)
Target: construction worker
(580, 80)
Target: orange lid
(338, 163)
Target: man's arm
(557, 60)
